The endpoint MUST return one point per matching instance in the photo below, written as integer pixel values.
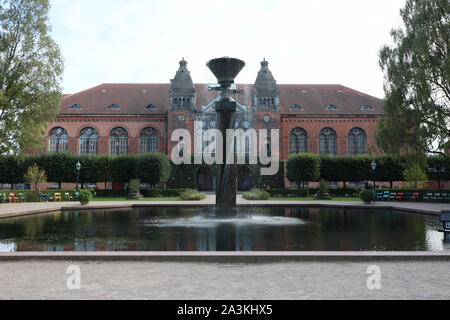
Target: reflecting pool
(197, 229)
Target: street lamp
(374, 166)
(78, 166)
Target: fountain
(226, 69)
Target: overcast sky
(305, 41)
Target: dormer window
(76, 107)
(366, 107)
(331, 107)
(296, 107)
(150, 107)
(114, 107)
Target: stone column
(226, 172)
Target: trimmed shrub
(84, 196)
(368, 196)
(124, 168)
(256, 194)
(303, 167)
(192, 195)
(153, 168)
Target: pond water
(196, 229)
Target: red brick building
(138, 118)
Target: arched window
(327, 141)
(58, 140)
(357, 141)
(119, 141)
(149, 140)
(89, 141)
(298, 141)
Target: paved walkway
(171, 280)
(18, 209)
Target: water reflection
(193, 229)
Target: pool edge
(231, 257)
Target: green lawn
(312, 198)
(143, 199)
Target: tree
(35, 176)
(303, 167)
(414, 176)
(153, 168)
(30, 72)
(417, 81)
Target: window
(331, 107)
(149, 140)
(89, 141)
(296, 107)
(76, 107)
(150, 107)
(119, 141)
(298, 141)
(327, 141)
(366, 107)
(114, 107)
(58, 140)
(357, 141)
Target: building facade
(138, 118)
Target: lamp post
(78, 166)
(374, 166)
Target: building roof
(142, 99)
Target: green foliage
(368, 196)
(256, 194)
(124, 168)
(134, 186)
(303, 167)
(85, 196)
(12, 168)
(417, 85)
(275, 181)
(35, 176)
(414, 176)
(324, 186)
(153, 168)
(104, 167)
(192, 195)
(438, 168)
(30, 73)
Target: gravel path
(151, 280)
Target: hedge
(155, 168)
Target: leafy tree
(30, 72)
(104, 167)
(124, 168)
(414, 176)
(417, 81)
(389, 168)
(35, 176)
(303, 167)
(12, 169)
(153, 168)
